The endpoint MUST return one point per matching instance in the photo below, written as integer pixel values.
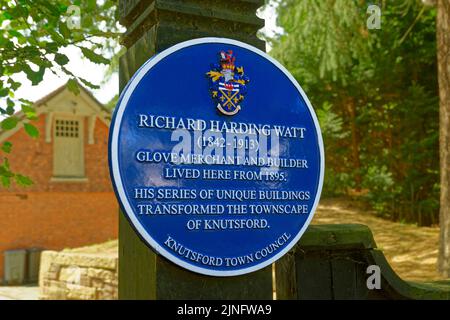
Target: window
(68, 148)
(67, 128)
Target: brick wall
(34, 158)
(56, 220)
(57, 215)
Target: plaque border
(117, 179)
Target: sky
(95, 72)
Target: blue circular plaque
(216, 156)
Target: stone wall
(72, 275)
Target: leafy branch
(32, 36)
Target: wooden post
(152, 26)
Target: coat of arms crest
(227, 83)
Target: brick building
(71, 202)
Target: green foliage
(381, 186)
(61, 59)
(94, 57)
(331, 124)
(5, 175)
(33, 34)
(22, 180)
(31, 130)
(9, 123)
(337, 183)
(6, 147)
(72, 85)
(112, 103)
(333, 30)
(377, 92)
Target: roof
(54, 93)
(104, 112)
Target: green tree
(382, 86)
(443, 38)
(32, 36)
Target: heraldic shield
(228, 84)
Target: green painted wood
(313, 273)
(331, 262)
(343, 269)
(244, 9)
(285, 277)
(400, 289)
(337, 236)
(137, 264)
(190, 19)
(235, 11)
(153, 26)
(173, 282)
